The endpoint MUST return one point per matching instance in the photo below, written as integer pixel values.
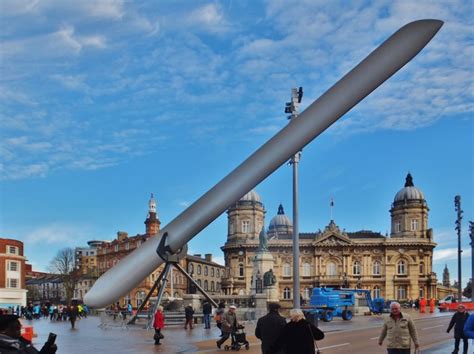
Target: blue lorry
(327, 303)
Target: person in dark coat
(73, 312)
(206, 311)
(188, 314)
(269, 328)
(457, 321)
(298, 335)
(11, 341)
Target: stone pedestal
(262, 263)
(194, 300)
(272, 293)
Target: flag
(332, 202)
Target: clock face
(241, 253)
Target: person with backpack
(218, 316)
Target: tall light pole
(292, 109)
(457, 207)
(471, 235)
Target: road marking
(334, 346)
(374, 338)
(432, 327)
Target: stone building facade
(396, 266)
(205, 272)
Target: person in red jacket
(158, 325)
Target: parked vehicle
(450, 303)
(327, 303)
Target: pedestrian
(206, 312)
(399, 330)
(72, 312)
(219, 316)
(469, 327)
(457, 321)
(269, 328)
(11, 341)
(188, 314)
(432, 305)
(229, 325)
(422, 305)
(158, 325)
(130, 308)
(298, 335)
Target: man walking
(399, 330)
(457, 321)
(206, 312)
(188, 314)
(229, 325)
(269, 328)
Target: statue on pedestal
(262, 237)
(269, 278)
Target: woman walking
(298, 335)
(158, 325)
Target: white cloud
(112, 9)
(449, 254)
(54, 234)
(208, 18)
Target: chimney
(122, 236)
(208, 257)
(197, 255)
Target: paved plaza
(356, 336)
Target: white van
(450, 299)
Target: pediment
(333, 240)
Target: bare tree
(63, 264)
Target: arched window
(199, 270)
(402, 292)
(376, 268)
(212, 286)
(286, 270)
(176, 294)
(331, 269)
(206, 270)
(398, 227)
(199, 282)
(241, 270)
(241, 292)
(356, 268)
(287, 293)
(212, 272)
(306, 269)
(218, 273)
(401, 267)
(140, 297)
(422, 268)
(307, 293)
(377, 293)
(206, 285)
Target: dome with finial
(251, 196)
(280, 221)
(409, 192)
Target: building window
(398, 226)
(139, 242)
(212, 286)
(402, 268)
(331, 269)
(13, 266)
(206, 270)
(199, 282)
(218, 273)
(206, 288)
(12, 249)
(402, 292)
(191, 268)
(356, 268)
(414, 224)
(212, 272)
(245, 226)
(199, 269)
(377, 293)
(127, 246)
(116, 248)
(421, 293)
(376, 268)
(306, 269)
(286, 270)
(241, 270)
(307, 293)
(422, 268)
(287, 294)
(140, 297)
(13, 283)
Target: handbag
(315, 342)
(157, 336)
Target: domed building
(396, 266)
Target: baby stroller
(238, 340)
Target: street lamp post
(292, 109)
(471, 235)
(457, 207)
